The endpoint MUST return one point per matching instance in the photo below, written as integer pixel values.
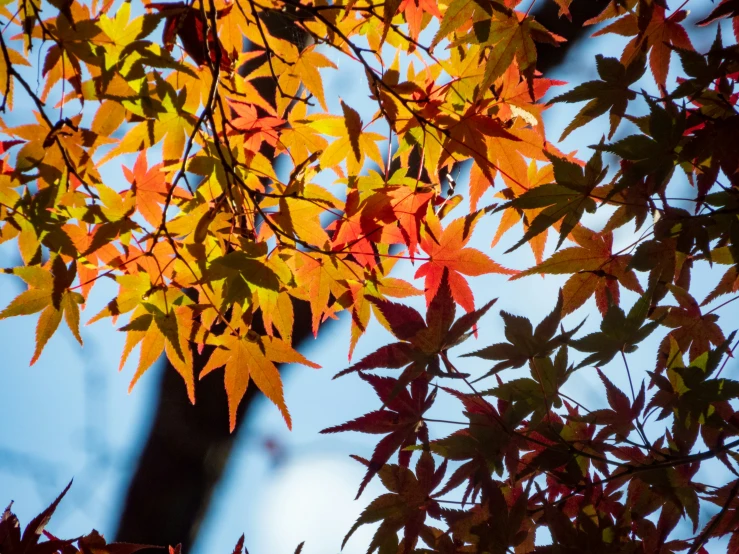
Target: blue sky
(70, 414)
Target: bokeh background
(70, 416)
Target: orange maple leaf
(661, 36)
(151, 189)
(446, 250)
(252, 357)
(413, 11)
(594, 268)
(256, 128)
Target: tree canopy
(235, 200)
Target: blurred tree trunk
(185, 455)
(188, 446)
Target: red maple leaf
(401, 419)
(409, 207)
(361, 226)
(189, 24)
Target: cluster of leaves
(211, 246)
(12, 541)
(617, 478)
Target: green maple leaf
(509, 38)
(539, 393)
(459, 12)
(618, 332)
(525, 343)
(653, 153)
(244, 274)
(609, 94)
(565, 200)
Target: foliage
(211, 245)
(12, 541)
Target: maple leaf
(247, 275)
(94, 543)
(89, 258)
(424, 344)
(650, 157)
(306, 70)
(614, 8)
(525, 343)
(159, 330)
(151, 189)
(377, 214)
(413, 11)
(252, 357)
(620, 418)
(595, 270)
(358, 231)
(468, 135)
(163, 119)
(15, 543)
(190, 25)
(447, 251)
(564, 201)
(729, 283)
(409, 206)
(727, 8)
(500, 521)
(120, 32)
(511, 216)
(514, 99)
(487, 442)
(577, 535)
(405, 507)
(507, 154)
(618, 332)
(361, 294)
(694, 394)
(401, 419)
(299, 215)
(256, 128)
(511, 37)
(692, 330)
(29, 542)
(538, 395)
(661, 36)
(65, 63)
(49, 293)
(353, 143)
(564, 8)
(321, 277)
(726, 521)
(133, 289)
(670, 488)
(301, 139)
(460, 13)
(610, 94)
